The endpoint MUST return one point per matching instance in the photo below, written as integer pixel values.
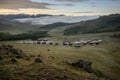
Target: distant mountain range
(71, 25)
(7, 25)
(20, 16)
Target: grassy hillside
(55, 25)
(105, 58)
(109, 23)
(103, 24)
(14, 27)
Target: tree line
(22, 36)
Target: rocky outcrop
(38, 60)
(85, 65)
(18, 53)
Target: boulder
(85, 65)
(48, 49)
(32, 56)
(39, 55)
(18, 56)
(12, 51)
(79, 63)
(1, 58)
(6, 47)
(38, 60)
(13, 60)
(27, 58)
(19, 53)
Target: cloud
(84, 12)
(68, 5)
(72, 0)
(30, 11)
(64, 5)
(93, 5)
(16, 4)
(115, 0)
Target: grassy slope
(105, 57)
(102, 24)
(15, 28)
(55, 25)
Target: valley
(59, 62)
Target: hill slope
(102, 24)
(14, 27)
(55, 25)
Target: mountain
(12, 27)
(45, 20)
(68, 25)
(102, 24)
(20, 16)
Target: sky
(60, 7)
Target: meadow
(105, 58)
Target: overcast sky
(57, 7)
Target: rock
(86, 65)
(79, 63)
(8, 53)
(13, 60)
(32, 56)
(6, 47)
(27, 58)
(1, 58)
(18, 56)
(39, 55)
(12, 51)
(19, 53)
(48, 49)
(67, 62)
(38, 60)
(51, 57)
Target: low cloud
(16, 4)
(72, 0)
(68, 5)
(64, 5)
(93, 4)
(115, 0)
(84, 12)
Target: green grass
(105, 57)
